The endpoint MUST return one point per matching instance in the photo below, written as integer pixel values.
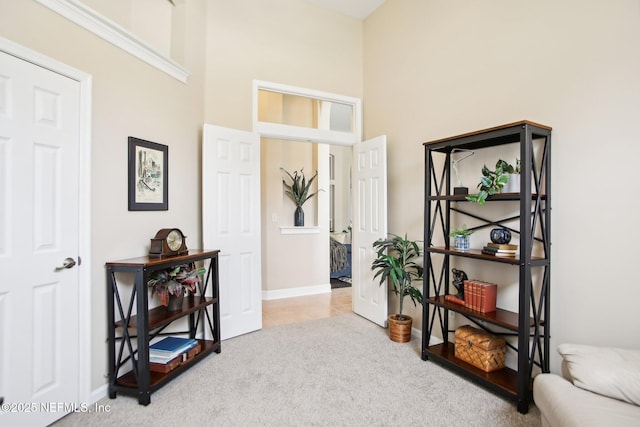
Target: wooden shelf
(156, 379)
(500, 317)
(160, 316)
(477, 254)
(504, 381)
(496, 197)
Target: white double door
(39, 241)
(231, 223)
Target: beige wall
(298, 44)
(130, 98)
(438, 68)
(282, 41)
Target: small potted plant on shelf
(172, 284)
(492, 182)
(298, 191)
(513, 172)
(395, 262)
(461, 238)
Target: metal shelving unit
(529, 326)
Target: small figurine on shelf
(459, 277)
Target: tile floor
(297, 309)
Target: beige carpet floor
(339, 371)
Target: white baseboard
(99, 393)
(417, 334)
(296, 292)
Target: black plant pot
(298, 217)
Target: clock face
(174, 240)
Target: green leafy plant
(491, 182)
(175, 281)
(298, 189)
(462, 231)
(394, 261)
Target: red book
(476, 294)
(489, 293)
(454, 299)
(467, 294)
(485, 296)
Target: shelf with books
(477, 253)
(504, 318)
(130, 335)
(529, 220)
(128, 380)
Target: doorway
(230, 221)
(301, 129)
(321, 126)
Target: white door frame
(297, 133)
(84, 243)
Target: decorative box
(480, 349)
(165, 367)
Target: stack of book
(480, 296)
(502, 250)
(170, 352)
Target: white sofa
(599, 386)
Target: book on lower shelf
(480, 296)
(165, 366)
(169, 348)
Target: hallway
(297, 309)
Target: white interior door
(231, 223)
(369, 299)
(39, 197)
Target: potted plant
(174, 283)
(513, 186)
(298, 191)
(395, 262)
(461, 238)
(491, 182)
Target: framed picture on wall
(148, 175)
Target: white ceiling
(357, 8)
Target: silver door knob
(68, 263)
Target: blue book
(170, 346)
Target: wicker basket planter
(400, 328)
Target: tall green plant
(298, 190)
(394, 262)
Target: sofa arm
(563, 404)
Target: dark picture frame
(148, 175)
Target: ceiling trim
(98, 24)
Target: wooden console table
(129, 334)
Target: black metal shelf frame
(532, 327)
(132, 349)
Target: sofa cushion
(563, 404)
(609, 371)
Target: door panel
(39, 195)
(231, 223)
(370, 223)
